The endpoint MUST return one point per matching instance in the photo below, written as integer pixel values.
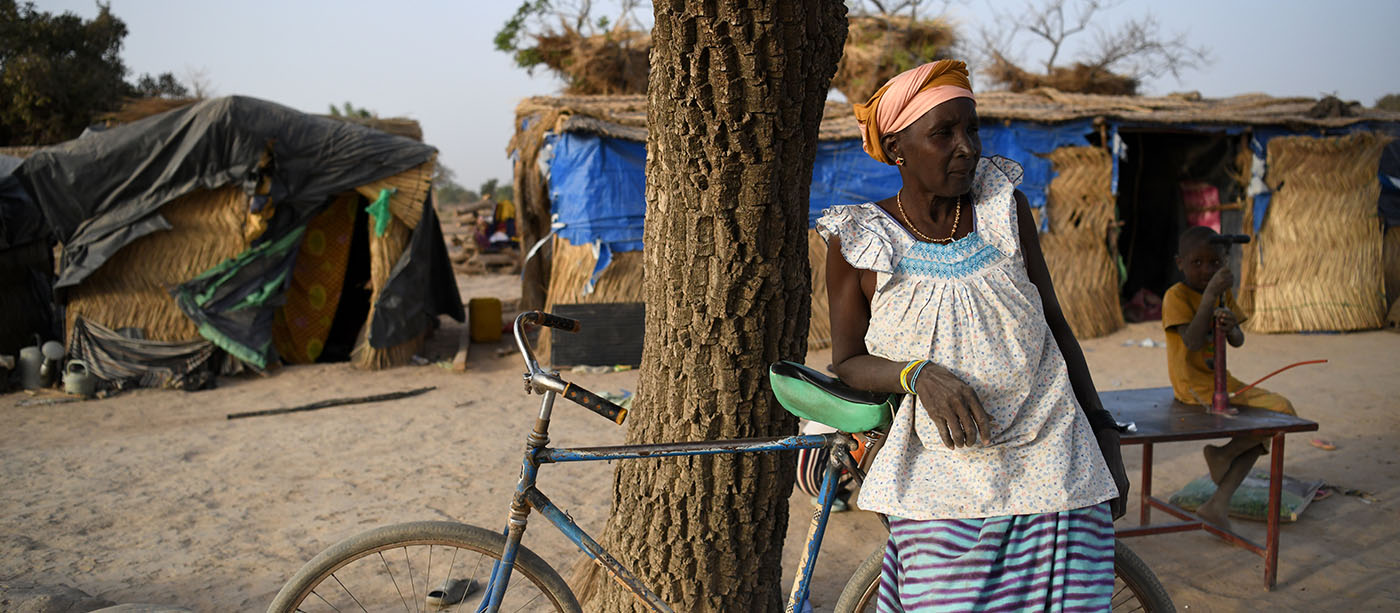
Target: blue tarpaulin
(598, 185)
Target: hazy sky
(434, 60)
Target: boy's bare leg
(1217, 509)
(1220, 457)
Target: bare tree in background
(1117, 62)
(908, 9)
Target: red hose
(1265, 377)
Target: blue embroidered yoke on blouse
(957, 259)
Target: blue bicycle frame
(537, 453)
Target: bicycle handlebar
(555, 321)
(539, 380)
(595, 403)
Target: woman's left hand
(1112, 454)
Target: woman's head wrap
(905, 98)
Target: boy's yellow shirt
(1192, 381)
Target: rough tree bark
(735, 99)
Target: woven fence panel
(1080, 205)
(819, 327)
(1318, 261)
(410, 190)
(1391, 252)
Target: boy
(1190, 313)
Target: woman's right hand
(954, 407)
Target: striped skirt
(1060, 562)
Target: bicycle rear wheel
(1135, 588)
(393, 568)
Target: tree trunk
(735, 99)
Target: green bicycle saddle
(809, 394)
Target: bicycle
(384, 568)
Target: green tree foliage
(489, 187)
(350, 110)
(163, 85)
(1389, 102)
(448, 190)
(57, 72)
(516, 31)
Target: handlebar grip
(555, 321)
(595, 403)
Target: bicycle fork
(519, 509)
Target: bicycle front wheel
(394, 568)
(1135, 588)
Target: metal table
(1161, 419)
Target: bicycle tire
(1135, 587)
(357, 574)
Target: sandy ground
(154, 496)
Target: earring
(899, 161)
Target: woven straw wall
(819, 328)
(1318, 260)
(1391, 252)
(1080, 204)
(132, 289)
(572, 265)
(406, 209)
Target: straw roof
(625, 116)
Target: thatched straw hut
(229, 223)
(1111, 179)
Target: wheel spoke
(529, 602)
(390, 572)
(348, 593)
(328, 603)
(412, 587)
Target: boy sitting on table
(1189, 314)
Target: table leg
(1275, 495)
(1146, 486)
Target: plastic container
(484, 316)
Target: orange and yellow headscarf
(905, 98)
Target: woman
(1001, 462)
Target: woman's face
(941, 149)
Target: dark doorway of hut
(327, 299)
(353, 311)
(1168, 181)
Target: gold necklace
(957, 215)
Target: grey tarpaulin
(421, 286)
(103, 191)
(26, 267)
